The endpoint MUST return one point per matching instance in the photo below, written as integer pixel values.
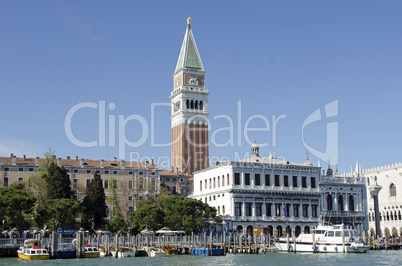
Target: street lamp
(3, 224)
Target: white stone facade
(389, 198)
(253, 192)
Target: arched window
(201, 185)
(206, 185)
(219, 210)
(219, 181)
(196, 105)
(223, 210)
(214, 182)
(223, 180)
(392, 190)
(340, 203)
(329, 202)
(351, 203)
(187, 104)
(201, 105)
(228, 181)
(210, 183)
(192, 104)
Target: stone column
(243, 209)
(374, 190)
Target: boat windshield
(338, 233)
(319, 232)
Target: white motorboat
(325, 239)
(123, 253)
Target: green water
(391, 257)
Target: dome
(255, 150)
(308, 163)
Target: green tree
(15, 205)
(190, 214)
(147, 215)
(117, 225)
(113, 198)
(94, 205)
(62, 212)
(58, 184)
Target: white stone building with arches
(273, 195)
(389, 198)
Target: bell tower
(189, 109)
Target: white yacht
(325, 238)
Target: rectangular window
(6, 169)
(305, 210)
(130, 184)
(75, 183)
(152, 173)
(106, 172)
(257, 180)
(97, 171)
(106, 184)
(277, 180)
(21, 169)
(258, 209)
(20, 179)
(205, 199)
(130, 198)
(89, 171)
(267, 181)
(206, 185)
(247, 179)
(67, 170)
(130, 172)
(114, 183)
(174, 190)
(201, 185)
(314, 210)
(31, 170)
(248, 209)
(87, 181)
(75, 171)
(285, 181)
(313, 182)
(296, 210)
(268, 209)
(115, 172)
(228, 181)
(167, 179)
(237, 178)
(141, 173)
(304, 181)
(238, 209)
(294, 181)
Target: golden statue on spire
(188, 20)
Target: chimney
(177, 170)
(24, 156)
(76, 158)
(53, 157)
(68, 157)
(11, 155)
(114, 159)
(82, 163)
(171, 169)
(153, 161)
(14, 159)
(146, 164)
(102, 163)
(37, 161)
(59, 161)
(122, 164)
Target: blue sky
(275, 57)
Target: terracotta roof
(170, 173)
(88, 163)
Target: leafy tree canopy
(94, 205)
(62, 212)
(15, 204)
(57, 182)
(147, 215)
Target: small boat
(154, 252)
(66, 251)
(325, 239)
(170, 251)
(123, 253)
(91, 251)
(33, 251)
